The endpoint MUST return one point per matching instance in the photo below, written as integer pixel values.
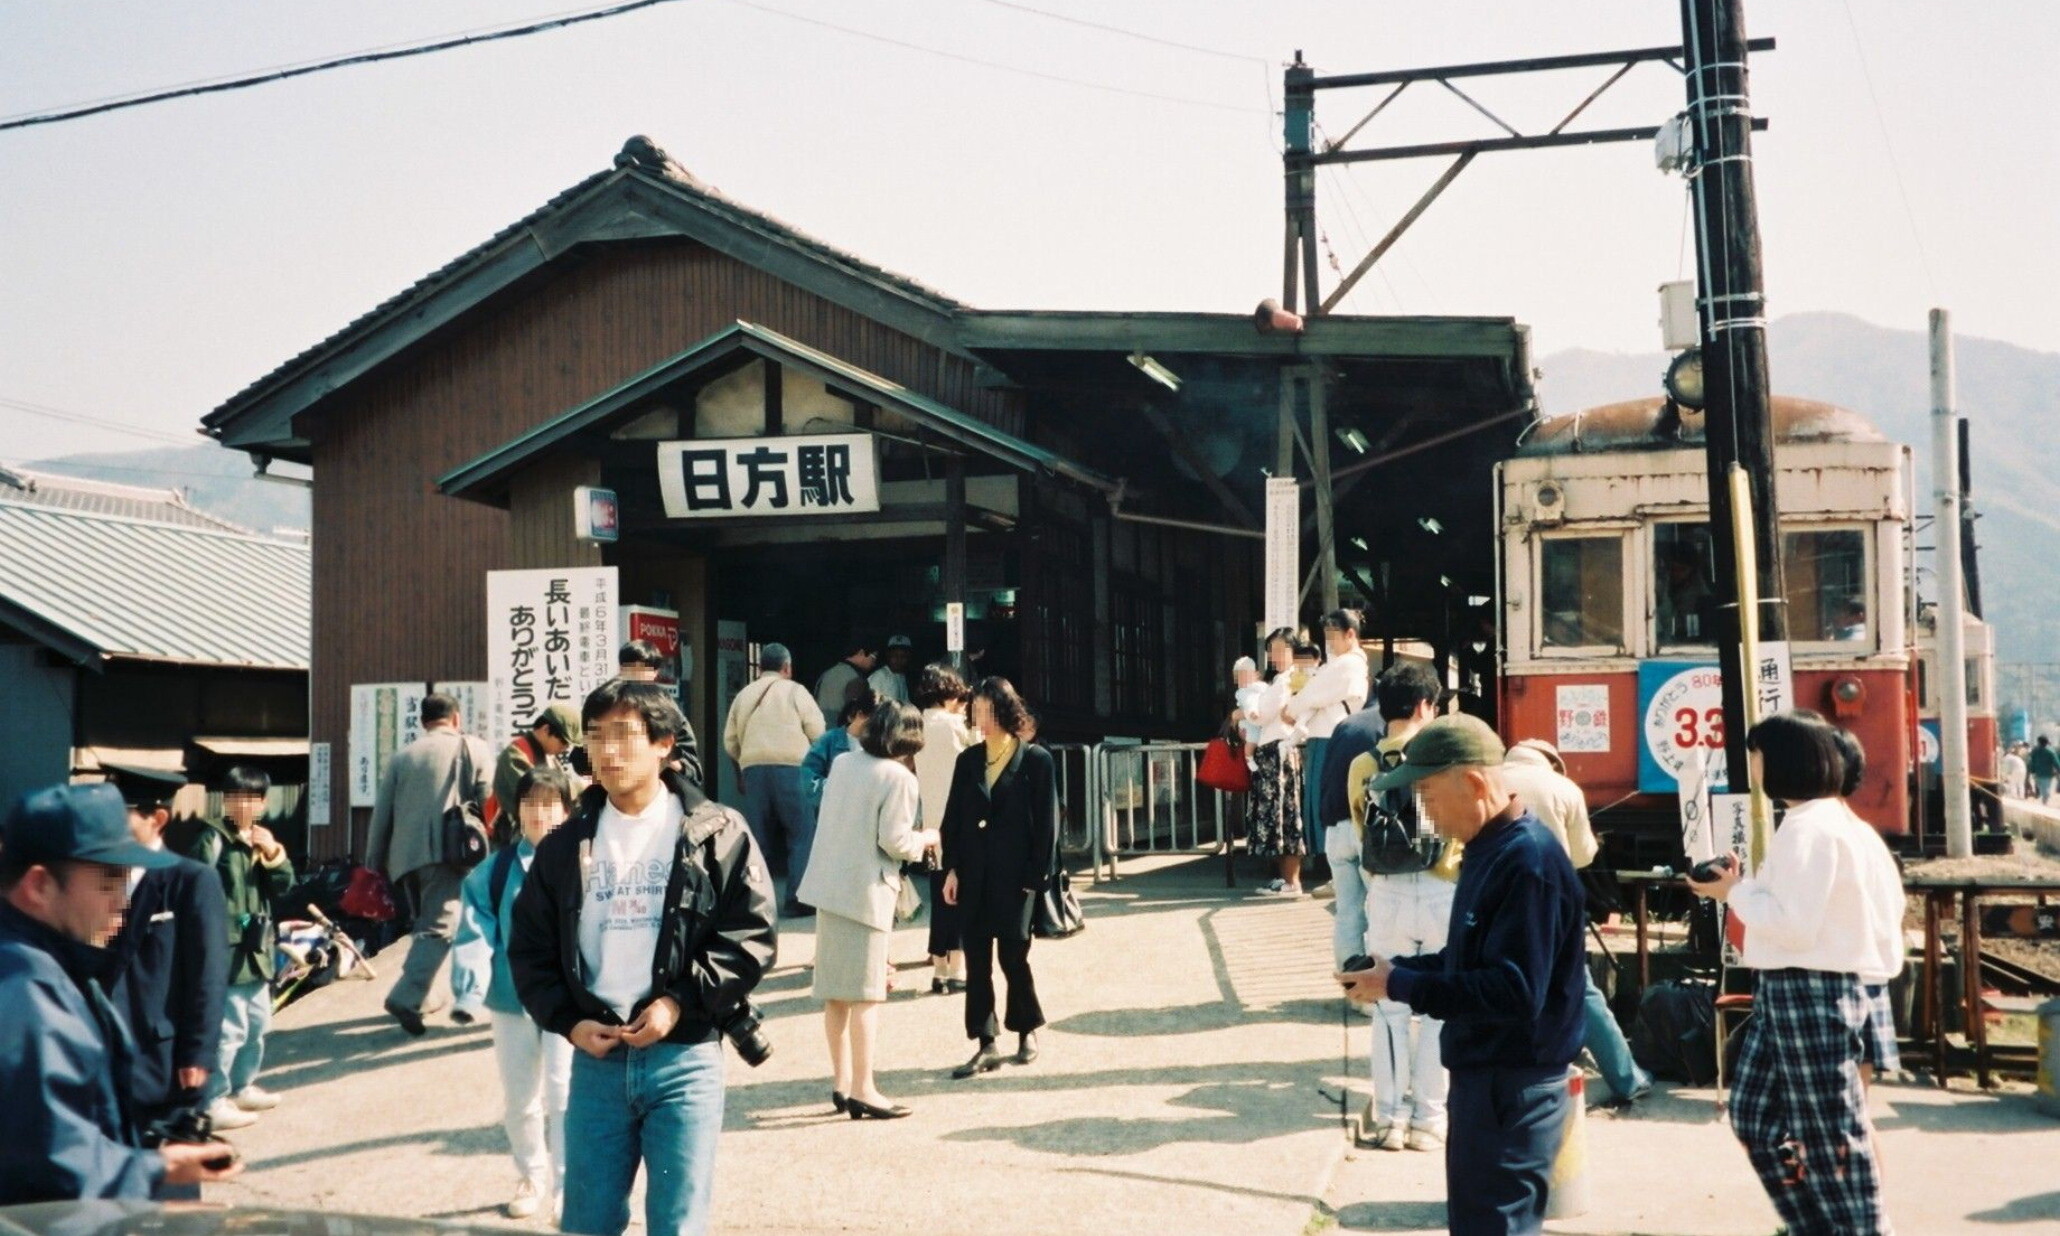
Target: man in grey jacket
(421, 783)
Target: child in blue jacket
(536, 1066)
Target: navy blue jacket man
(172, 961)
(65, 855)
(1510, 983)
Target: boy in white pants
(536, 1067)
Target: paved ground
(1187, 1085)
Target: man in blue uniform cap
(65, 856)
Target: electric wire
(1888, 146)
(98, 422)
(1125, 32)
(997, 65)
(323, 66)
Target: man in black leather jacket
(644, 923)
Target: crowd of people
(615, 929)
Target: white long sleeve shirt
(1826, 898)
(1266, 711)
(1335, 691)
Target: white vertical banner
(1283, 552)
(384, 717)
(954, 626)
(1698, 834)
(1773, 679)
(318, 785)
(550, 638)
(475, 710)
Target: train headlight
(1848, 696)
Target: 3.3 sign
(1681, 710)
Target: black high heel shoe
(839, 1101)
(861, 1110)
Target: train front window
(1581, 581)
(1826, 577)
(1683, 585)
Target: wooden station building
(1089, 485)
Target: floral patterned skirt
(1275, 825)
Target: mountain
(2009, 394)
(216, 480)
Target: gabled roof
(486, 479)
(105, 498)
(97, 587)
(645, 195)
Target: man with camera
(645, 922)
(1509, 985)
(66, 854)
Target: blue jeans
(659, 1105)
(773, 807)
(1348, 881)
(1605, 1041)
(246, 1018)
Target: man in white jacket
(772, 723)
(1333, 692)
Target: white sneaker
(254, 1098)
(1282, 889)
(524, 1204)
(1386, 1136)
(226, 1115)
(1324, 892)
(1425, 1139)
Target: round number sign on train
(1685, 716)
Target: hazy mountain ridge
(2010, 394)
(215, 479)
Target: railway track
(2017, 979)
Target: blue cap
(77, 823)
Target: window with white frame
(1825, 577)
(1581, 591)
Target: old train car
(1607, 596)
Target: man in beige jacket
(771, 725)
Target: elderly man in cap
(1508, 984)
(172, 955)
(555, 731)
(65, 858)
(772, 724)
(890, 681)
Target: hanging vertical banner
(384, 717)
(475, 711)
(550, 639)
(318, 785)
(1773, 679)
(1283, 552)
(954, 626)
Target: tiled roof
(109, 586)
(106, 498)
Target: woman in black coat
(1000, 834)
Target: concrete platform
(1188, 1083)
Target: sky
(155, 261)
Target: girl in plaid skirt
(1823, 927)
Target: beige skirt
(850, 959)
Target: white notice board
(1283, 552)
(384, 717)
(550, 638)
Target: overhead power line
(1126, 33)
(323, 66)
(1888, 146)
(1107, 87)
(99, 422)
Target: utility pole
(1298, 271)
(1739, 423)
(1952, 597)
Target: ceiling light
(1430, 525)
(1155, 371)
(1354, 439)
(1360, 541)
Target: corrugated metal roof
(133, 588)
(106, 498)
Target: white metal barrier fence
(1121, 799)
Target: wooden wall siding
(397, 566)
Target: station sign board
(727, 478)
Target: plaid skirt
(1275, 826)
(1798, 1105)
(1879, 1047)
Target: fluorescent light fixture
(1445, 580)
(1354, 439)
(1360, 541)
(1477, 600)
(1430, 525)
(1155, 371)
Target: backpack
(1394, 841)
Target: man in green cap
(555, 731)
(1509, 984)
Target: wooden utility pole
(1739, 423)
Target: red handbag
(1223, 768)
(367, 896)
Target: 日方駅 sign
(797, 475)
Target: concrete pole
(1952, 651)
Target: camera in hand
(1357, 962)
(184, 1126)
(1703, 872)
(745, 1030)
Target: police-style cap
(77, 823)
(564, 722)
(1456, 741)
(144, 788)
